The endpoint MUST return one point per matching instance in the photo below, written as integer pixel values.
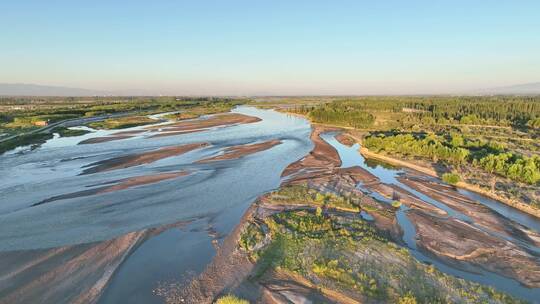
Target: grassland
(122, 122)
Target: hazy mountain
(519, 89)
(23, 89)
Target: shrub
(407, 299)
(451, 178)
(230, 299)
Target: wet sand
(103, 139)
(139, 159)
(178, 128)
(345, 139)
(117, 186)
(236, 152)
(461, 242)
(205, 123)
(72, 274)
(480, 214)
(130, 132)
(322, 159)
(163, 134)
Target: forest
(458, 150)
(514, 111)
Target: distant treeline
(343, 116)
(499, 110)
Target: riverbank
(430, 171)
(333, 234)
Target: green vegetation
(434, 110)
(204, 109)
(302, 195)
(66, 132)
(230, 299)
(122, 122)
(451, 178)
(34, 120)
(24, 140)
(342, 115)
(348, 255)
(534, 123)
(407, 299)
(19, 113)
(458, 150)
(396, 204)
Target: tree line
(518, 111)
(457, 150)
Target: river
(212, 198)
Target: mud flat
(236, 152)
(130, 132)
(139, 159)
(481, 215)
(323, 158)
(117, 186)
(456, 240)
(345, 139)
(114, 136)
(70, 274)
(103, 139)
(202, 124)
(74, 274)
(175, 133)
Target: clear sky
(229, 47)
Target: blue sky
(271, 47)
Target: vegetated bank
(22, 118)
(490, 144)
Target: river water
(387, 174)
(213, 197)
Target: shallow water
(210, 188)
(214, 194)
(387, 174)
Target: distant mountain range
(23, 89)
(519, 89)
